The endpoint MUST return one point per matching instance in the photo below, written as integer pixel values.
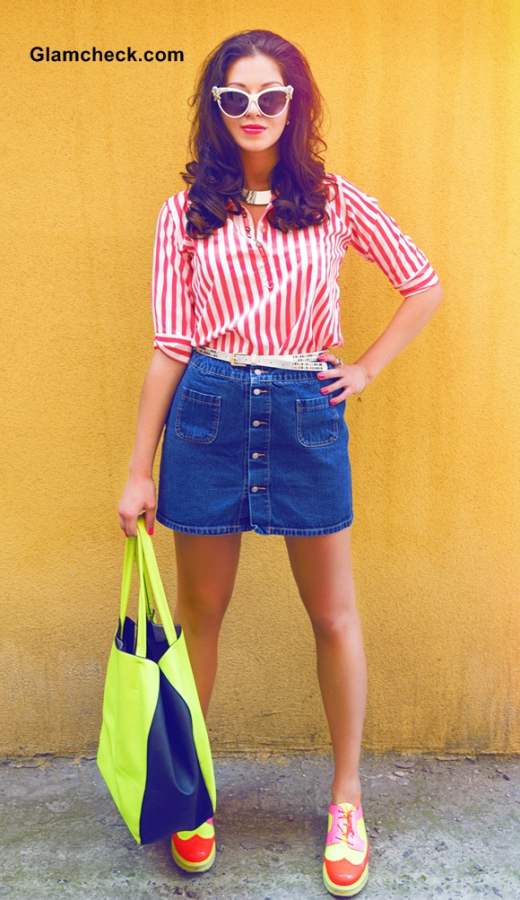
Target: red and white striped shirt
(256, 289)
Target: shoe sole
(344, 890)
(188, 866)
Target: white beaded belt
(282, 361)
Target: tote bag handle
(150, 610)
(126, 582)
(146, 567)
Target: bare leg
(206, 572)
(322, 567)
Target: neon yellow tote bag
(154, 752)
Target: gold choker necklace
(257, 198)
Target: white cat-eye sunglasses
(235, 103)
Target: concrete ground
(439, 826)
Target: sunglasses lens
(233, 103)
(272, 102)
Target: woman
(245, 301)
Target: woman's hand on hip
(352, 378)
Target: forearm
(158, 388)
(409, 319)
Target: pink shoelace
(344, 827)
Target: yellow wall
(422, 104)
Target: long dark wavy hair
(298, 180)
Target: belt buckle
(234, 361)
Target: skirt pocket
(198, 415)
(317, 421)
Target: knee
(202, 613)
(334, 624)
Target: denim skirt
(252, 448)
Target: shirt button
(257, 391)
(258, 371)
(254, 488)
(256, 422)
(255, 455)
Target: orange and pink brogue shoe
(346, 855)
(194, 851)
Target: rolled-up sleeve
(375, 234)
(173, 305)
